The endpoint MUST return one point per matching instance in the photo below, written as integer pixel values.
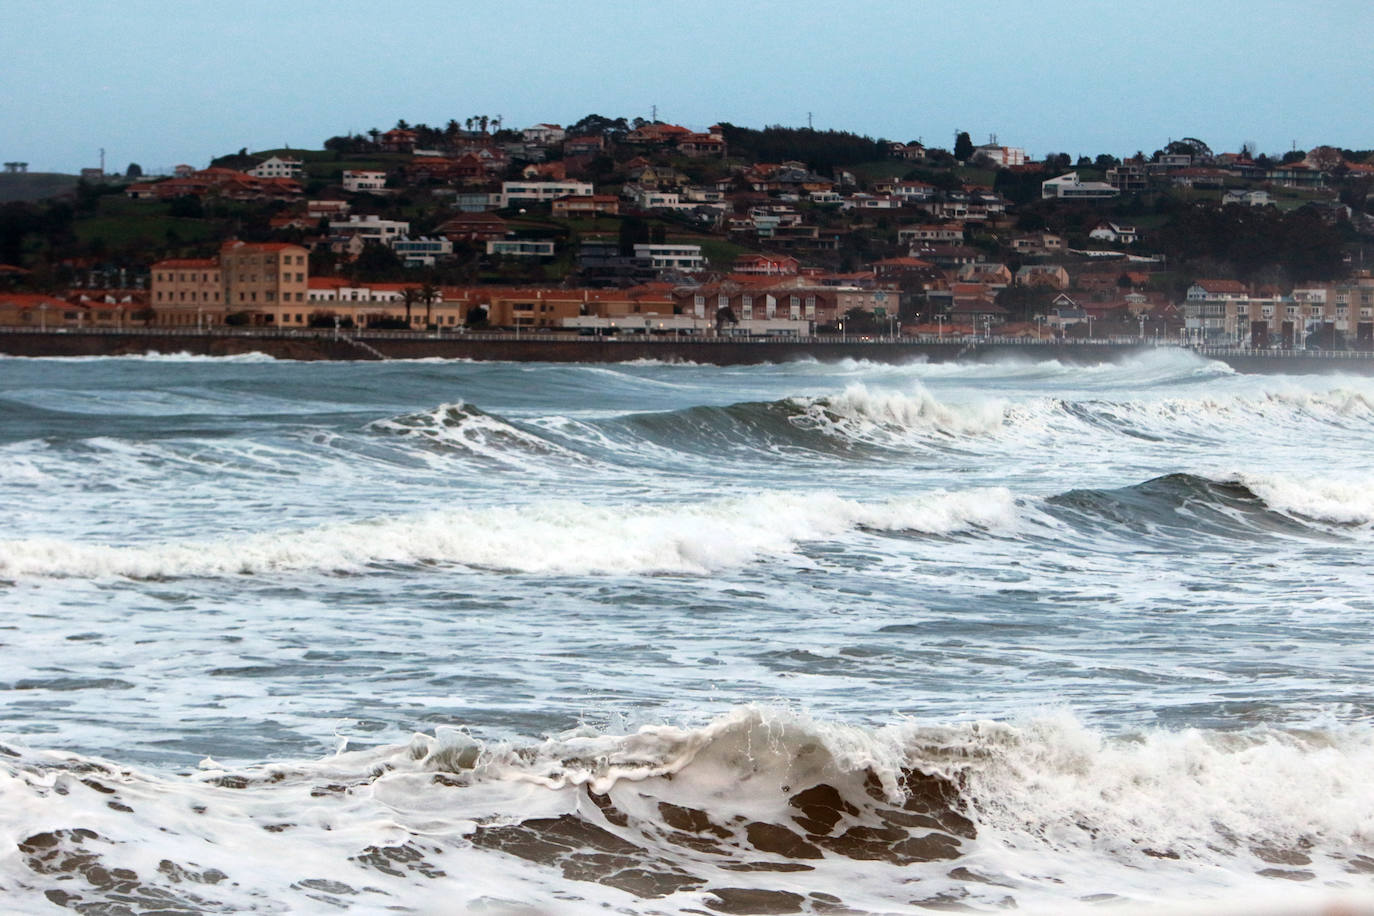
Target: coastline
(326, 344)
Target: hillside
(34, 185)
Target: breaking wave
(867, 421)
(763, 810)
(698, 538)
(545, 538)
(463, 428)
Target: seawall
(377, 345)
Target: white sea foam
(1059, 811)
(154, 356)
(1323, 498)
(464, 428)
(553, 537)
(858, 412)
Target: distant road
(317, 344)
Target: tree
(1023, 303)
(1326, 158)
(186, 206)
(633, 231)
(861, 321)
(1190, 146)
(431, 294)
(595, 125)
(963, 146)
(133, 171)
(376, 262)
(410, 296)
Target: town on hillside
(610, 226)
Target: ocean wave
(760, 810)
(859, 421)
(1323, 499)
(465, 429)
(866, 420)
(1177, 505)
(543, 538)
(699, 538)
(1158, 366)
(154, 356)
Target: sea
(847, 638)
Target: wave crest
(544, 538)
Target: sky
(160, 83)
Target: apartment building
(187, 292)
(1337, 315)
(266, 281)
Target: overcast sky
(159, 83)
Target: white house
(277, 167)
(541, 192)
(912, 191)
(371, 228)
(672, 256)
(1108, 231)
(1070, 187)
(1001, 156)
(521, 248)
(422, 252)
(363, 180)
(654, 199)
(1249, 198)
(543, 134)
(862, 201)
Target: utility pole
(808, 121)
(653, 116)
